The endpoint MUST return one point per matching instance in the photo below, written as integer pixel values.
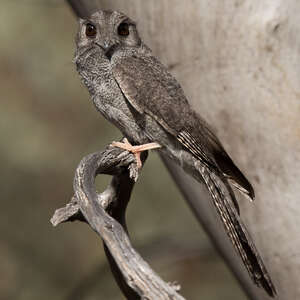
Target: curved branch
(105, 213)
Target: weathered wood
(83, 8)
(105, 213)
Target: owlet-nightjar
(135, 91)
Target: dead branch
(105, 213)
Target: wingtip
(249, 192)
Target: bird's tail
(236, 231)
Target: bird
(132, 89)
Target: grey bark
(238, 62)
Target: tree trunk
(238, 62)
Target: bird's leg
(136, 150)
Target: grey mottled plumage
(134, 91)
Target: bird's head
(107, 32)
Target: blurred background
(48, 123)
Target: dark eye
(123, 29)
(90, 30)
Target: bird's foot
(136, 150)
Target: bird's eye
(123, 29)
(90, 30)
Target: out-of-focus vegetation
(48, 124)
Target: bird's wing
(151, 89)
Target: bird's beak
(108, 48)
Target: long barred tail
(236, 230)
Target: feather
(237, 232)
(161, 97)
